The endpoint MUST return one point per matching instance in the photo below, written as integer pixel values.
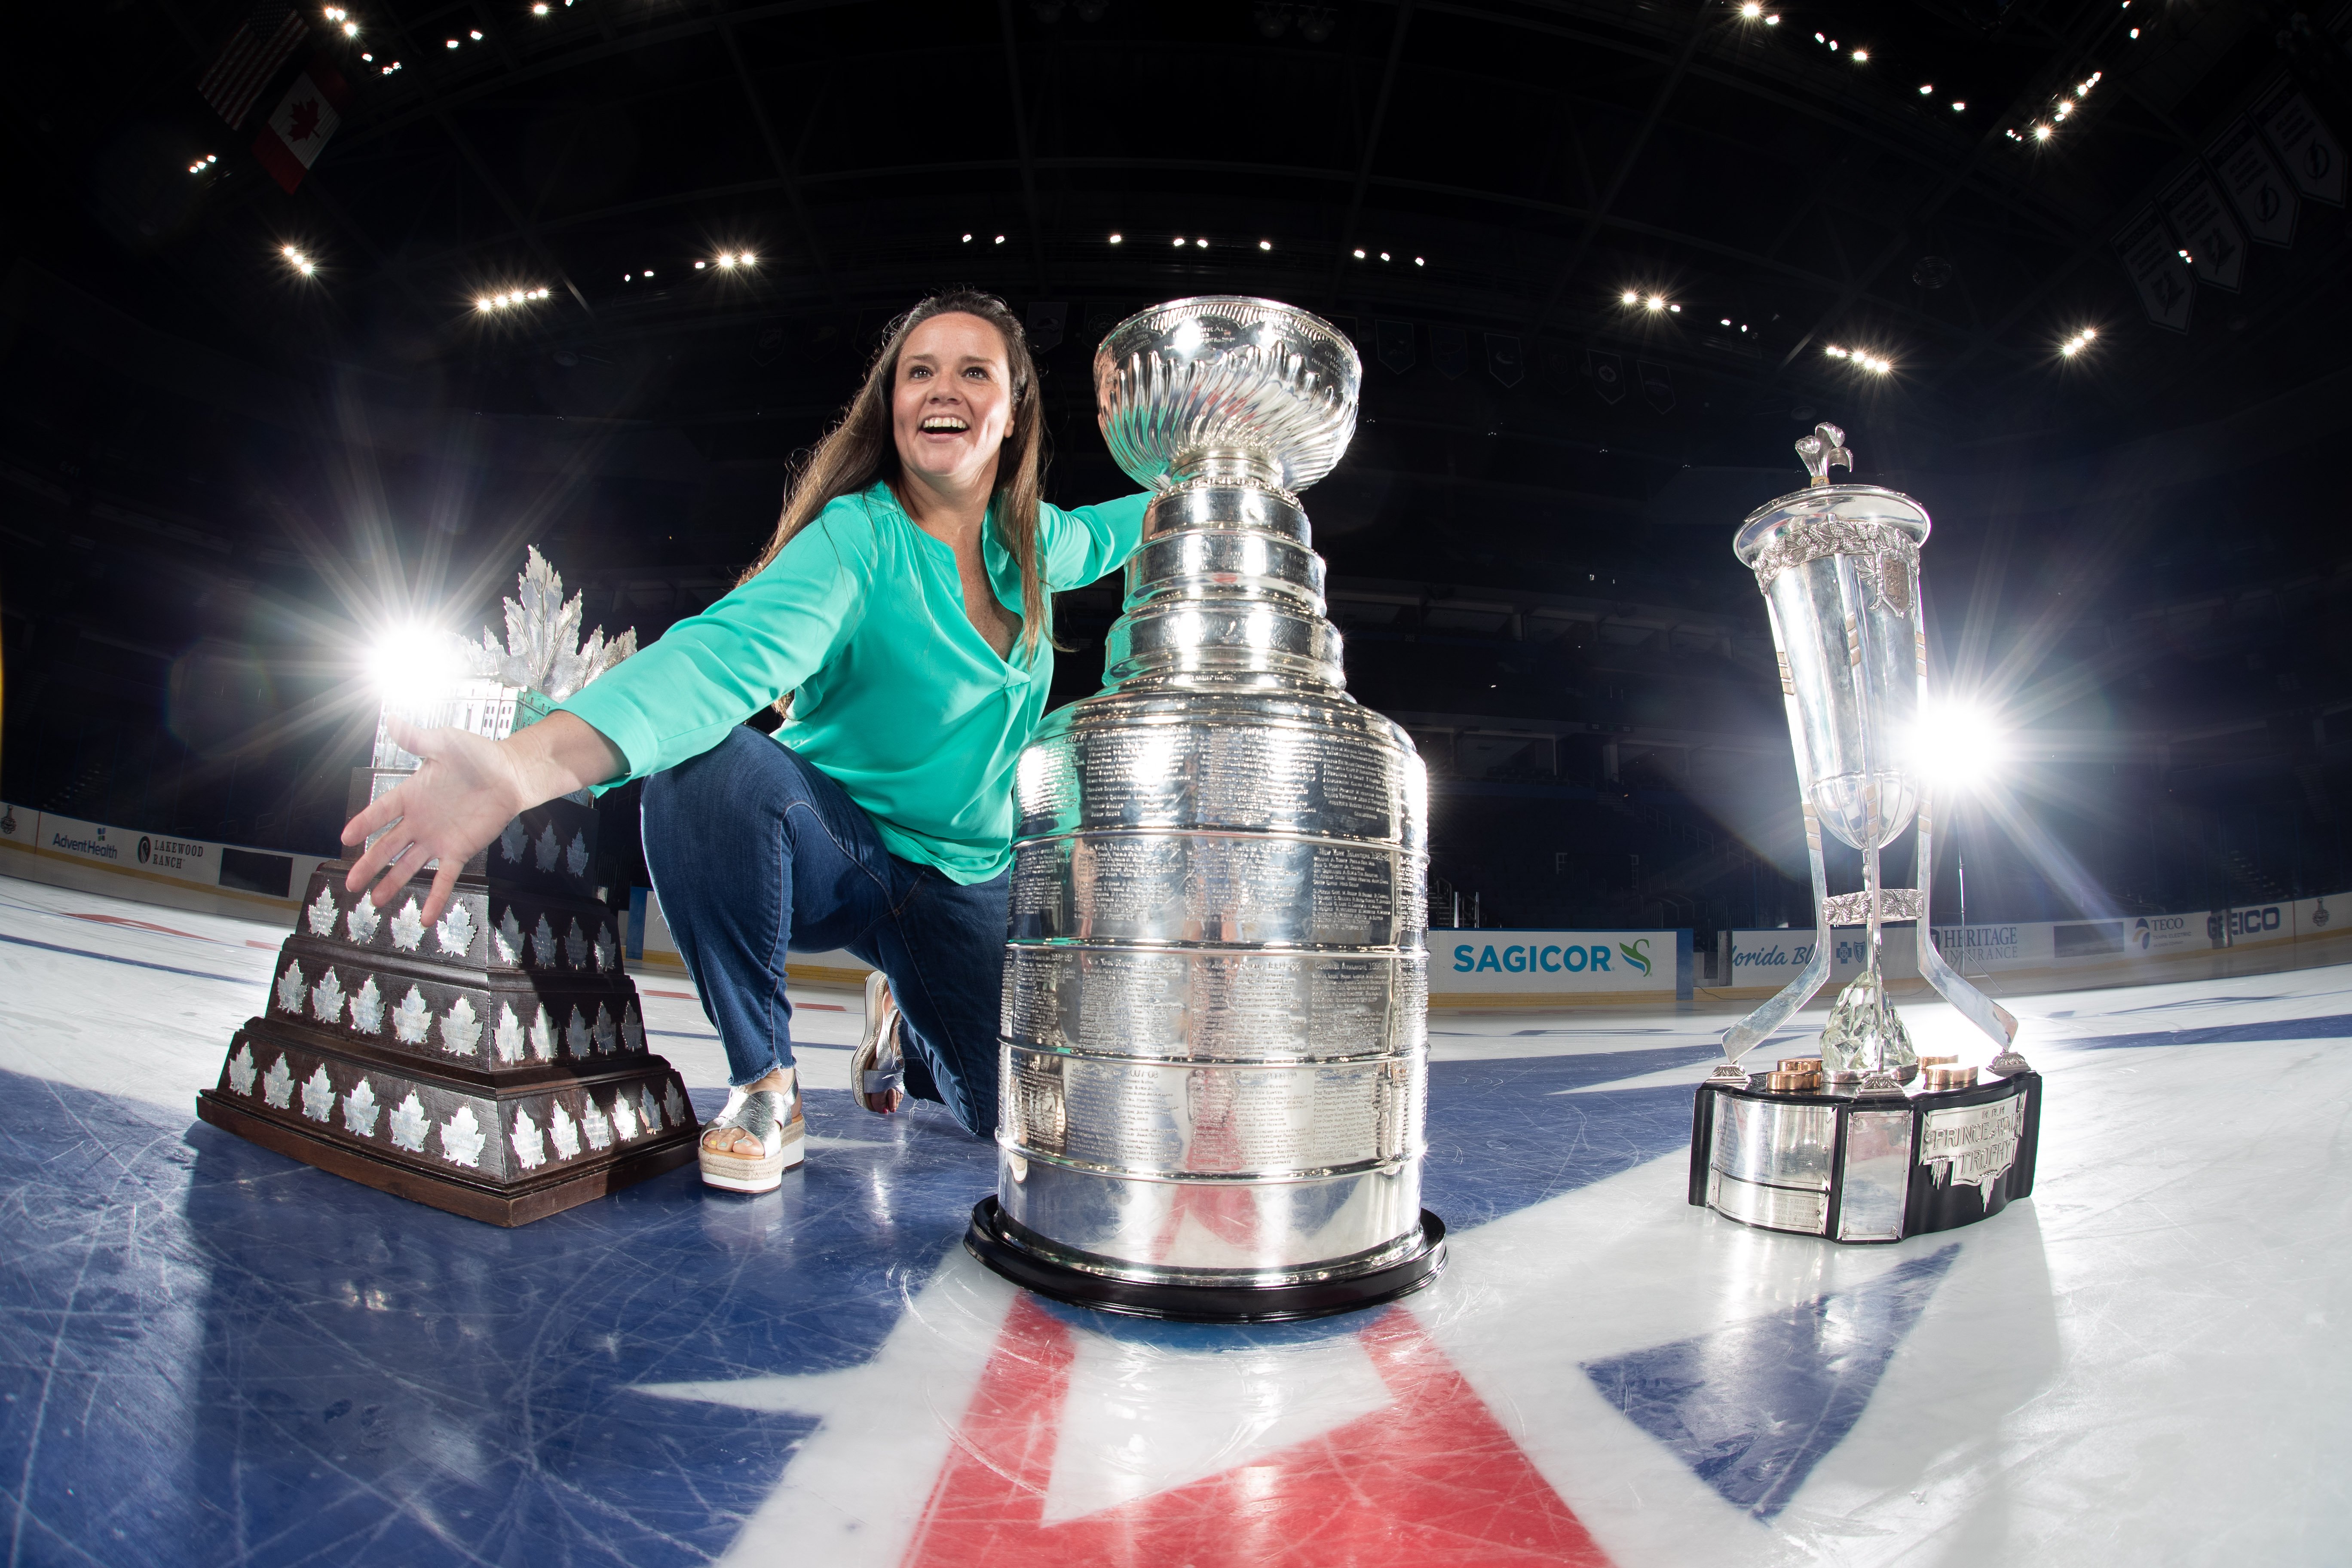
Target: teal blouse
(898, 696)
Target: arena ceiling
(1521, 166)
(1605, 259)
(243, 427)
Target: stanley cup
(1838, 568)
(1214, 1049)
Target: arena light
(2078, 343)
(411, 663)
(1629, 298)
(299, 262)
(1265, 245)
(1770, 20)
(1654, 302)
(1958, 105)
(1205, 245)
(1417, 261)
(1751, 10)
(1862, 57)
(2042, 133)
(1958, 746)
(999, 239)
(1115, 239)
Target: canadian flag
(298, 128)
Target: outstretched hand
(462, 797)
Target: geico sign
(2242, 923)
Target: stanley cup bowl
(1194, 386)
(1213, 1037)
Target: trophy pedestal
(440, 1189)
(492, 1063)
(1203, 1296)
(1865, 1168)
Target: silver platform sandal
(878, 1067)
(773, 1117)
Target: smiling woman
(900, 615)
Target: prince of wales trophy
(494, 1063)
(1214, 1050)
(1868, 1140)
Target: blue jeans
(754, 852)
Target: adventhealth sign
(1497, 968)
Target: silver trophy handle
(1743, 1035)
(1973, 1004)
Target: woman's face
(952, 402)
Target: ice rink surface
(210, 1355)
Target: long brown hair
(861, 449)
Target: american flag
(262, 43)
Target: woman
(901, 608)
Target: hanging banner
(2314, 159)
(1503, 359)
(298, 127)
(1657, 387)
(1449, 349)
(2264, 197)
(1608, 372)
(2157, 270)
(1395, 344)
(2216, 247)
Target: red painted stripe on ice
(1431, 1478)
(147, 925)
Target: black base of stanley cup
(1007, 1248)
